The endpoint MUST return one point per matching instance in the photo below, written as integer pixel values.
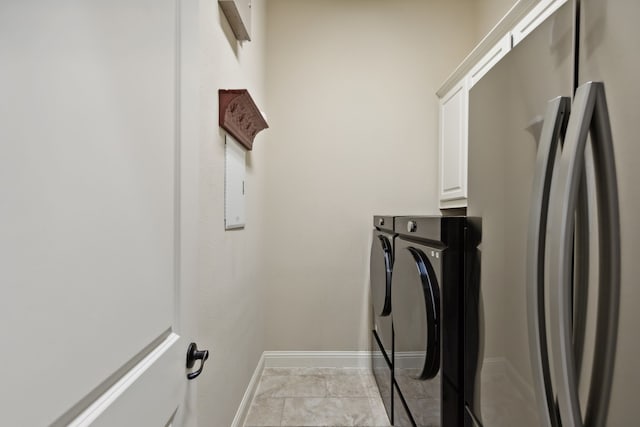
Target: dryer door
(380, 273)
(416, 313)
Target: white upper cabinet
(454, 107)
(523, 18)
(453, 137)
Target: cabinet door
(453, 146)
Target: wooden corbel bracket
(240, 116)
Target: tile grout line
(284, 402)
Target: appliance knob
(380, 222)
(412, 226)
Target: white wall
(230, 308)
(353, 114)
(489, 13)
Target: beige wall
(230, 307)
(353, 114)
(348, 88)
(488, 14)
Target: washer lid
(416, 316)
(381, 264)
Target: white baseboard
(317, 359)
(245, 404)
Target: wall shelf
(240, 116)
(238, 13)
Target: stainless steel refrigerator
(552, 299)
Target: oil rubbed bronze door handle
(194, 354)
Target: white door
(90, 214)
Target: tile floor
(317, 397)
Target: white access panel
(235, 171)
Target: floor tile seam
(282, 413)
(326, 385)
(365, 392)
(327, 397)
(301, 397)
(304, 375)
(338, 373)
(350, 395)
(256, 399)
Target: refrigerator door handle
(589, 115)
(555, 122)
